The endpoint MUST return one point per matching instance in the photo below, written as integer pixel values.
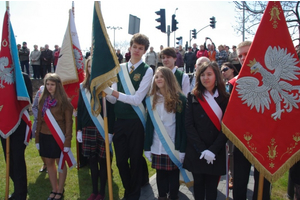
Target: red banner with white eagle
(70, 65)
(262, 115)
(14, 98)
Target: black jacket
(203, 135)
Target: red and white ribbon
(26, 119)
(60, 139)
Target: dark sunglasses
(224, 69)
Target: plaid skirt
(92, 142)
(162, 162)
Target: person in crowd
(227, 50)
(169, 58)
(195, 49)
(24, 58)
(205, 152)
(55, 56)
(35, 62)
(54, 98)
(120, 56)
(212, 53)
(93, 144)
(151, 59)
(128, 55)
(189, 60)
(242, 166)
(179, 60)
(229, 72)
(221, 56)
(208, 47)
(159, 62)
(35, 109)
(202, 52)
(233, 59)
(181, 51)
(197, 65)
(168, 102)
(46, 58)
(17, 164)
(129, 128)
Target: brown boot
(296, 192)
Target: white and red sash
(60, 139)
(212, 109)
(26, 119)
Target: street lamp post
(114, 28)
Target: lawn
(78, 184)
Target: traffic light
(174, 23)
(213, 22)
(162, 20)
(194, 34)
(179, 40)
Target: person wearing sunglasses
(228, 71)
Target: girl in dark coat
(205, 151)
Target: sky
(45, 22)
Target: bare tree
(253, 12)
(123, 46)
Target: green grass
(78, 184)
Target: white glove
(208, 156)
(75, 113)
(79, 136)
(37, 146)
(181, 157)
(110, 137)
(148, 155)
(108, 90)
(66, 149)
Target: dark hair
(168, 51)
(199, 89)
(140, 39)
(231, 66)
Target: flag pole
(260, 186)
(108, 161)
(7, 147)
(7, 167)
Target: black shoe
(60, 194)
(43, 168)
(51, 198)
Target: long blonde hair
(171, 87)
(60, 95)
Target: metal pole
(168, 33)
(243, 21)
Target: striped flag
(105, 65)
(14, 98)
(70, 65)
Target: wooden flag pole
(108, 161)
(7, 167)
(260, 187)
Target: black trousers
(241, 173)
(17, 165)
(189, 68)
(98, 170)
(205, 186)
(129, 142)
(168, 182)
(295, 173)
(26, 64)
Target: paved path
(149, 192)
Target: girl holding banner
(205, 152)
(54, 132)
(165, 121)
(90, 132)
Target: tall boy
(129, 126)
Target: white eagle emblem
(6, 74)
(284, 67)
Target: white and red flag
(70, 65)
(14, 98)
(263, 112)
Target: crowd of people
(163, 115)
